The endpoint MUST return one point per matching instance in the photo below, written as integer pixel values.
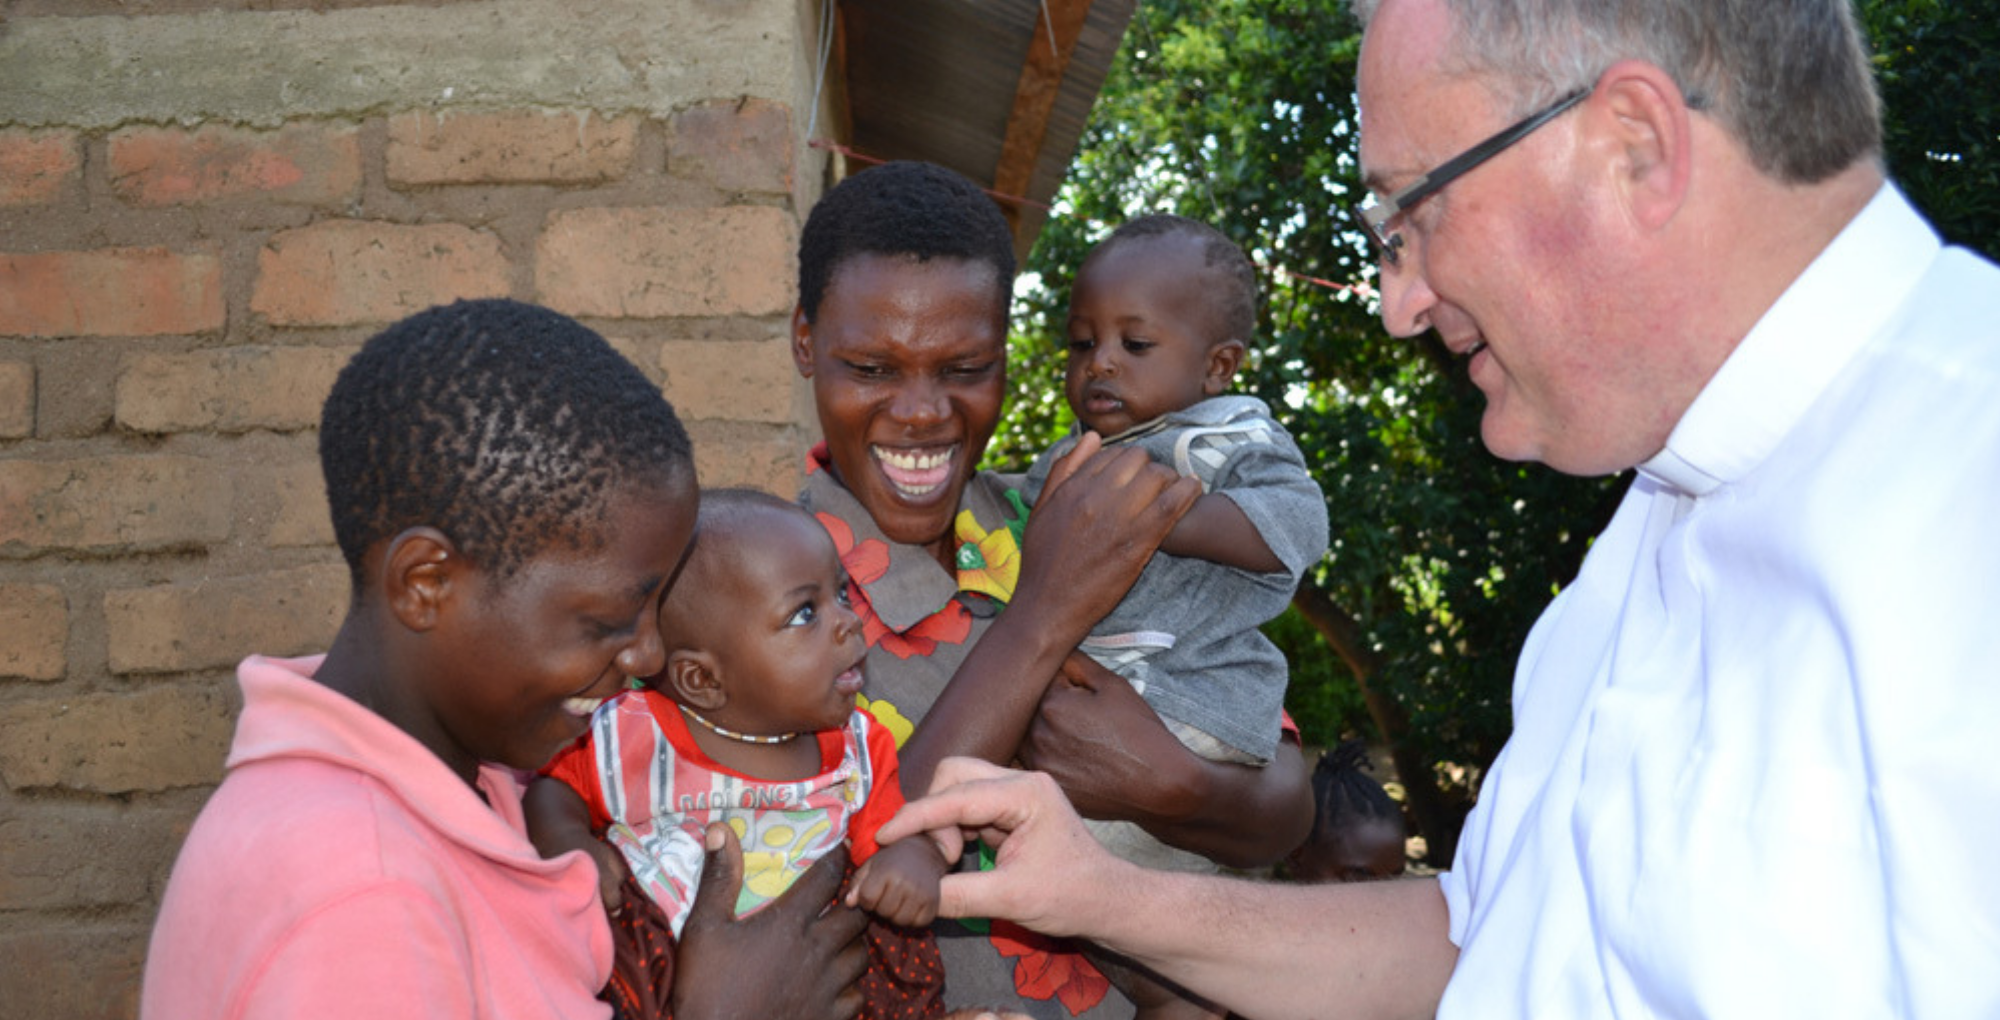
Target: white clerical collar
(1816, 327)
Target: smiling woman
(969, 609)
(908, 362)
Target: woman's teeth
(582, 707)
(915, 473)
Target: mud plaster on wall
(264, 68)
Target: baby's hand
(900, 883)
(611, 871)
(559, 823)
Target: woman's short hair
(506, 426)
(908, 209)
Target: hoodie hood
(279, 693)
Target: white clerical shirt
(1751, 773)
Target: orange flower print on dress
(950, 625)
(868, 560)
(1044, 971)
(864, 562)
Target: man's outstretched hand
(1050, 874)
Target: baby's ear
(1223, 361)
(692, 679)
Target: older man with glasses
(1747, 776)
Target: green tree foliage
(1938, 62)
(1241, 113)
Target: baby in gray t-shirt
(1157, 325)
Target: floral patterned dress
(920, 621)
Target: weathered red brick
(509, 148)
(743, 146)
(760, 456)
(234, 390)
(17, 399)
(302, 517)
(642, 353)
(129, 852)
(37, 165)
(660, 262)
(73, 389)
(734, 380)
(34, 631)
(300, 163)
(110, 292)
(352, 272)
(66, 970)
(155, 739)
(217, 621)
(141, 502)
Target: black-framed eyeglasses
(1374, 216)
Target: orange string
(828, 143)
(1358, 289)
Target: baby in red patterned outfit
(752, 723)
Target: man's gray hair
(1789, 79)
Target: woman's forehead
(942, 308)
(864, 274)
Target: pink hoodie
(341, 870)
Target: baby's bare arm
(559, 821)
(900, 883)
(1217, 530)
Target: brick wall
(187, 259)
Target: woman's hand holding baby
(818, 938)
(1106, 508)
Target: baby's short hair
(723, 511)
(906, 209)
(684, 614)
(504, 425)
(733, 503)
(1235, 303)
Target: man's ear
(802, 342)
(1641, 119)
(1223, 361)
(420, 573)
(693, 680)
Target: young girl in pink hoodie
(511, 497)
